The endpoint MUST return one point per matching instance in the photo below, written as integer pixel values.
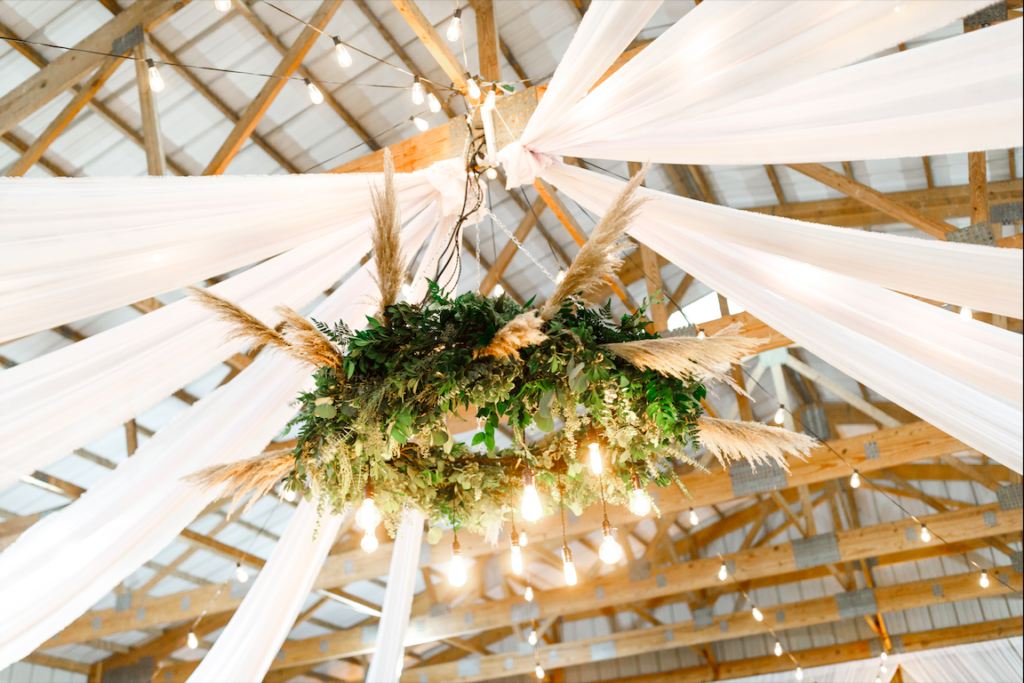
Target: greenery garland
(384, 413)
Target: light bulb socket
(528, 478)
(514, 539)
(369, 489)
(607, 527)
(458, 13)
(566, 554)
(150, 63)
(456, 548)
(337, 40)
(307, 82)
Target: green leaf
(544, 424)
(325, 410)
(434, 535)
(489, 441)
(544, 409)
(479, 438)
(438, 438)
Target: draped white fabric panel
(978, 276)
(995, 661)
(68, 561)
(956, 95)
(74, 247)
(101, 382)
(921, 357)
(253, 637)
(386, 666)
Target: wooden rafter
(152, 137)
(435, 45)
(487, 40)
(258, 107)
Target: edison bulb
(568, 567)
(595, 458)
(473, 88)
(984, 580)
(701, 334)
(498, 289)
(315, 96)
(884, 669)
(780, 415)
(694, 519)
(778, 649)
(639, 503)
(757, 614)
(454, 31)
(368, 516)
(855, 480)
(885, 656)
(926, 535)
(457, 570)
(539, 671)
(878, 679)
(799, 674)
(517, 559)
(523, 540)
(528, 594)
(531, 501)
(420, 123)
(222, 5)
(369, 542)
(560, 276)
(723, 572)
(241, 574)
(419, 93)
(966, 313)
(156, 81)
(289, 495)
(533, 637)
(610, 552)
(193, 642)
(492, 173)
(342, 53)
(433, 103)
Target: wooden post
(979, 187)
(435, 45)
(487, 40)
(151, 136)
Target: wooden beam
(35, 151)
(72, 66)
(978, 181)
(131, 435)
(425, 31)
(898, 210)
(487, 40)
(776, 185)
(856, 401)
(151, 135)
(495, 272)
(742, 401)
(20, 146)
(804, 614)
(255, 111)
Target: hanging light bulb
(778, 649)
(533, 637)
(289, 495)
(192, 640)
(595, 458)
(517, 555)
(240, 573)
(757, 614)
(855, 480)
(472, 89)
(498, 289)
(523, 540)
(701, 334)
(885, 656)
(528, 594)
(694, 519)
(341, 52)
(433, 103)
(156, 81)
(369, 542)
(531, 501)
(966, 313)
(799, 674)
(780, 414)
(457, 568)
(492, 173)
(639, 503)
(419, 93)
(723, 572)
(420, 123)
(610, 552)
(315, 96)
(983, 581)
(560, 276)
(568, 567)
(222, 5)
(884, 669)
(926, 536)
(454, 31)
(539, 671)
(878, 679)
(368, 516)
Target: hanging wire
(998, 576)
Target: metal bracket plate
(979, 233)
(815, 551)
(513, 111)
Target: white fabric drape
(253, 637)
(978, 276)
(74, 247)
(386, 665)
(68, 561)
(910, 352)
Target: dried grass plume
(519, 332)
(307, 340)
(387, 237)
(244, 325)
(683, 357)
(257, 474)
(752, 441)
(599, 258)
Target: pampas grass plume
(753, 441)
(387, 237)
(519, 332)
(257, 474)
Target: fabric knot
(522, 166)
(449, 179)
